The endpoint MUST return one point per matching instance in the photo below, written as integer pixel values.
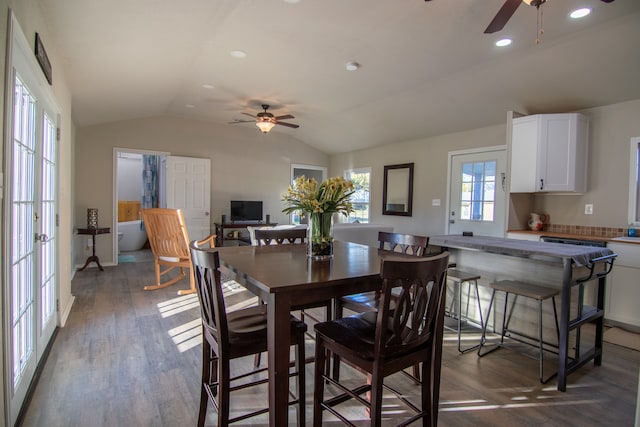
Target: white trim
(114, 199)
(66, 310)
(633, 181)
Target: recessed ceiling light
(240, 54)
(580, 13)
(189, 106)
(503, 42)
(352, 66)
(292, 1)
(208, 86)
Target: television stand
(221, 230)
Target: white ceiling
(426, 67)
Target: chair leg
(376, 400)
(300, 367)
(206, 378)
(224, 384)
(318, 382)
(484, 328)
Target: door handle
(41, 237)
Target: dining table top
(286, 268)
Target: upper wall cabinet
(549, 153)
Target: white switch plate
(588, 209)
(435, 202)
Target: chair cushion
(250, 325)
(355, 332)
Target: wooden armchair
(169, 242)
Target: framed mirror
(397, 191)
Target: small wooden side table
(93, 232)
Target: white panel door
(477, 192)
(30, 264)
(189, 189)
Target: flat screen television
(246, 211)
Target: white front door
(30, 226)
(189, 189)
(477, 183)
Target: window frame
(347, 175)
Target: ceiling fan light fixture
(503, 42)
(352, 66)
(265, 124)
(535, 3)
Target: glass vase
(320, 236)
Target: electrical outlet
(588, 209)
(89, 243)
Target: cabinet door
(549, 153)
(562, 150)
(622, 295)
(524, 152)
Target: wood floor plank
(129, 357)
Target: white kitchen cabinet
(623, 285)
(549, 153)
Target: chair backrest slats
(206, 270)
(412, 320)
(167, 232)
(276, 236)
(404, 243)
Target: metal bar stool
(528, 290)
(458, 277)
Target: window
(478, 191)
(361, 198)
(634, 182)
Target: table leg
(278, 313)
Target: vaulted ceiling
(426, 68)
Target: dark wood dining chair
(407, 244)
(383, 342)
(280, 236)
(292, 236)
(228, 336)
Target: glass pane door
(30, 264)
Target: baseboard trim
(66, 311)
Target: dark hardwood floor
(129, 357)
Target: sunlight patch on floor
(178, 305)
(187, 335)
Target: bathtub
(131, 236)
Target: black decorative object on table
(92, 218)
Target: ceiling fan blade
(289, 125)
(502, 17)
(250, 115)
(241, 121)
(285, 117)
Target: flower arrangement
(320, 202)
(332, 196)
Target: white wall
(430, 174)
(245, 164)
(130, 178)
(611, 127)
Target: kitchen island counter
(549, 264)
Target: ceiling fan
(508, 9)
(266, 121)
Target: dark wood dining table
(283, 276)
